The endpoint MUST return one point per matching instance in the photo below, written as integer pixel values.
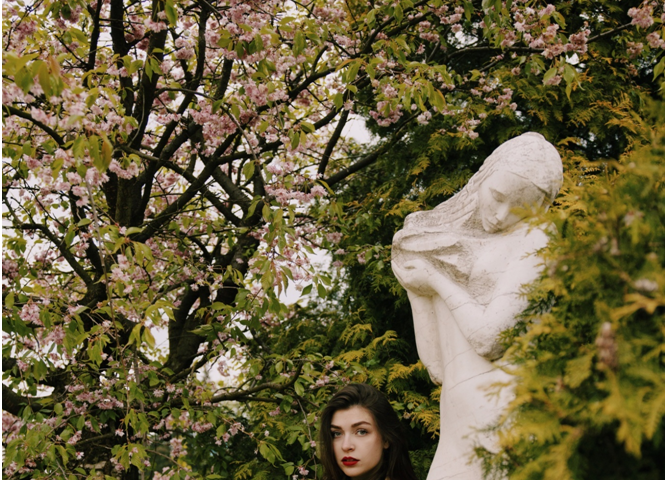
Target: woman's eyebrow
(353, 425)
(360, 423)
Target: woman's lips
(349, 461)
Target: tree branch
(332, 142)
(276, 387)
(609, 32)
(369, 43)
(8, 363)
(371, 157)
(20, 113)
(67, 255)
(210, 196)
(13, 403)
(95, 35)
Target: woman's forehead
(352, 416)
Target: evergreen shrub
(589, 357)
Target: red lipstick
(349, 461)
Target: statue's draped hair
(528, 156)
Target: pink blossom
(634, 49)
(30, 314)
(641, 16)
(655, 41)
(424, 118)
(318, 191)
(555, 80)
(509, 39)
(577, 42)
(334, 237)
(548, 10)
(154, 26)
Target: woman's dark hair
(395, 463)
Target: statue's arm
(480, 324)
(427, 335)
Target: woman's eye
(362, 432)
(335, 434)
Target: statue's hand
(416, 275)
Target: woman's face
(500, 194)
(357, 442)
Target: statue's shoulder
(536, 236)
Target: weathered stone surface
(464, 264)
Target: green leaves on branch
(27, 67)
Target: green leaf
(106, 153)
(659, 68)
(351, 72)
(24, 79)
(148, 338)
(266, 452)
(398, 13)
(338, 100)
(171, 12)
(438, 100)
(469, 8)
(248, 170)
(135, 335)
(93, 94)
(295, 137)
(94, 151)
(13, 63)
(259, 44)
(569, 73)
(370, 18)
(79, 147)
(44, 77)
(299, 43)
(132, 230)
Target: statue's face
(500, 195)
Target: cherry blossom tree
(169, 167)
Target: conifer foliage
(590, 390)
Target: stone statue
(464, 264)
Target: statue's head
(525, 171)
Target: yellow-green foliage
(590, 397)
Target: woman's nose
(348, 444)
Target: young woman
(361, 437)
